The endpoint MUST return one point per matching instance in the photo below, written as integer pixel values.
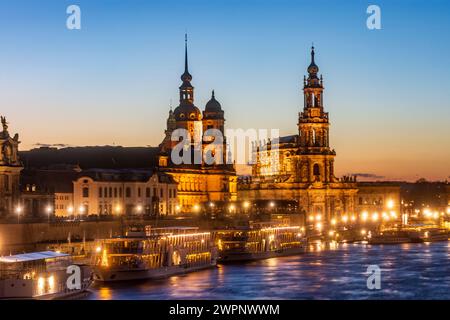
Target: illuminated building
(123, 192)
(301, 167)
(197, 182)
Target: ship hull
(29, 288)
(249, 256)
(103, 275)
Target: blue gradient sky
(387, 91)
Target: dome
(185, 112)
(213, 105)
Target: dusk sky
(387, 91)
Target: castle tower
(187, 115)
(313, 127)
(10, 168)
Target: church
(301, 167)
(197, 182)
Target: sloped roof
(32, 256)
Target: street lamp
(390, 204)
(49, 210)
(18, 211)
(139, 209)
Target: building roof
(32, 256)
(125, 175)
(110, 157)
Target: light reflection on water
(409, 271)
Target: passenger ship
(40, 275)
(259, 241)
(157, 253)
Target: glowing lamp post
(49, 210)
(18, 212)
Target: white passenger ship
(39, 275)
(157, 253)
(259, 241)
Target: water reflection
(413, 271)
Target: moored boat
(157, 253)
(259, 241)
(42, 275)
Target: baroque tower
(313, 128)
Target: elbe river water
(408, 271)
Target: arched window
(316, 170)
(85, 192)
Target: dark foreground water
(409, 271)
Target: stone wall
(26, 237)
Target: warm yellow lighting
(318, 217)
(70, 210)
(98, 249)
(319, 226)
(331, 233)
(49, 209)
(436, 215)
(41, 284)
(427, 213)
(118, 208)
(393, 214)
(196, 207)
(246, 204)
(363, 232)
(333, 221)
(448, 210)
(177, 208)
(51, 283)
(18, 209)
(211, 204)
(390, 204)
(81, 209)
(139, 208)
(231, 207)
(364, 216)
(345, 218)
(311, 218)
(272, 204)
(353, 218)
(375, 216)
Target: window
(147, 192)
(161, 193)
(128, 192)
(120, 192)
(85, 192)
(139, 192)
(110, 192)
(115, 192)
(316, 170)
(100, 192)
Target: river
(408, 271)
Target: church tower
(10, 168)
(313, 126)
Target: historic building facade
(123, 192)
(198, 181)
(301, 167)
(10, 168)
